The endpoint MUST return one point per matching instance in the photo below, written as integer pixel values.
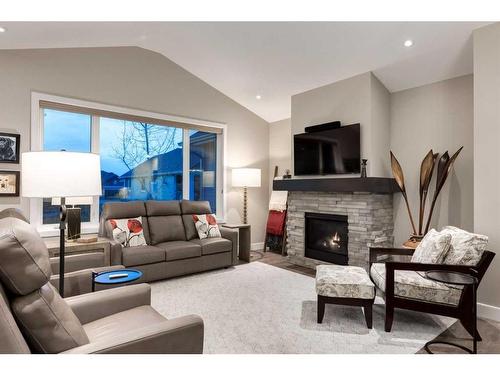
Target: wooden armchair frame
(462, 311)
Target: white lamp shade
(47, 174)
(73, 201)
(246, 177)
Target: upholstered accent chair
(403, 285)
(34, 318)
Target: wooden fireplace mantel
(378, 185)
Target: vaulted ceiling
(275, 60)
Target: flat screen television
(328, 152)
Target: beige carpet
(258, 308)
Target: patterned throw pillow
(128, 232)
(466, 248)
(206, 225)
(433, 248)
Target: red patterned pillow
(206, 225)
(128, 232)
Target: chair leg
(265, 243)
(467, 324)
(389, 317)
(368, 310)
(321, 309)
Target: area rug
(257, 308)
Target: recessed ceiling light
(258, 97)
(3, 29)
(408, 43)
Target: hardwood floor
(489, 330)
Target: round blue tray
(103, 277)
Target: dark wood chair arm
(375, 252)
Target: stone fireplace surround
(369, 214)
(369, 217)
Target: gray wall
(347, 101)
(359, 99)
(437, 116)
(136, 78)
(280, 148)
(380, 128)
(487, 151)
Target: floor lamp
(60, 174)
(245, 178)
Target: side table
(244, 240)
(461, 279)
(115, 277)
(90, 254)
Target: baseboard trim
(257, 246)
(488, 311)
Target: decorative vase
(413, 241)
(363, 167)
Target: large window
(65, 131)
(140, 160)
(203, 166)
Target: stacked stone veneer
(369, 216)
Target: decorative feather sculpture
(426, 169)
(444, 170)
(398, 174)
(444, 167)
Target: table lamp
(60, 174)
(245, 178)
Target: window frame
(37, 131)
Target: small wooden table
(102, 245)
(244, 240)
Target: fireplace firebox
(326, 237)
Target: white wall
(350, 101)
(280, 148)
(380, 100)
(487, 152)
(136, 78)
(437, 116)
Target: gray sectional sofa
(173, 247)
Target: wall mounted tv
(328, 152)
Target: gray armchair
(35, 319)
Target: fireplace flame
(334, 241)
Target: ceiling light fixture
(2, 29)
(408, 43)
(258, 97)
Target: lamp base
(74, 221)
(245, 200)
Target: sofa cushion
(166, 228)
(163, 208)
(190, 208)
(411, 285)
(433, 248)
(123, 210)
(176, 250)
(140, 255)
(24, 258)
(47, 321)
(466, 248)
(213, 245)
(125, 321)
(11, 338)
